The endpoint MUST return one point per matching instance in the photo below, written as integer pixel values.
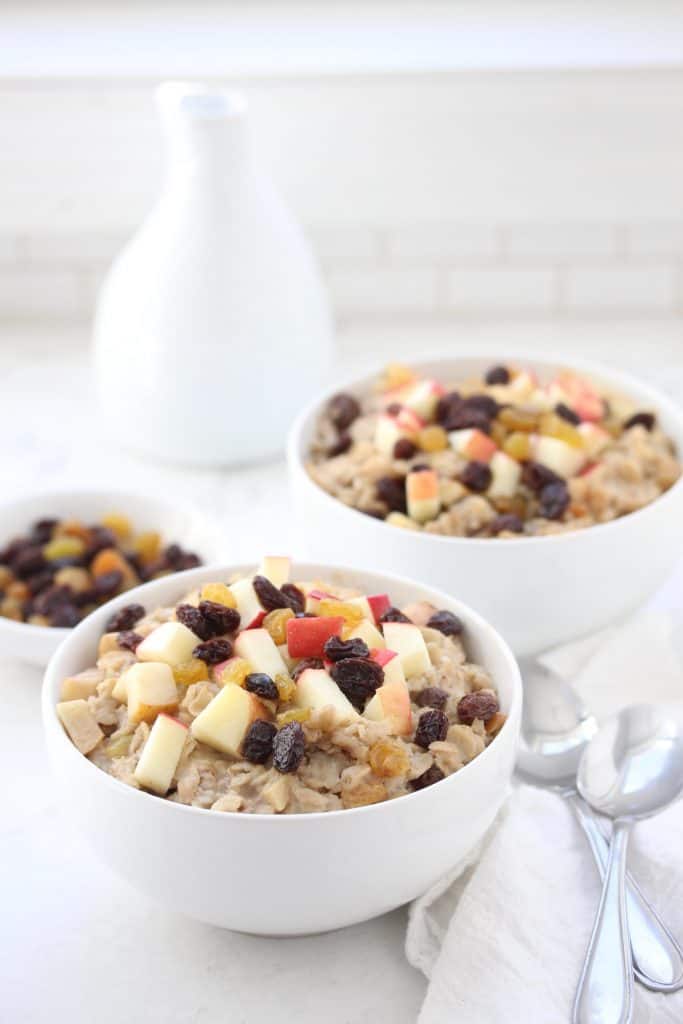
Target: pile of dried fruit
(62, 568)
(265, 695)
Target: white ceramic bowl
(175, 521)
(538, 591)
(289, 874)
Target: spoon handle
(605, 992)
(657, 957)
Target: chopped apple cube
(368, 632)
(420, 612)
(523, 385)
(505, 474)
(562, 458)
(251, 612)
(315, 689)
(423, 397)
(408, 642)
(387, 433)
(161, 754)
(379, 603)
(579, 393)
(306, 637)
(289, 661)
(594, 438)
(473, 444)
(82, 685)
(80, 724)
(409, 422)
(275, 568)
(422, 495)
(258, 648)
(391, 664)
(391, 703)
(224, 722)
(171, 643)
(150, 689)
(313, 599)
(364, 605)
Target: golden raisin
(6, 576)
(147, 546)
(220, 593)
(495, 723)
(38, 620)
(432, 439)
(110, 560)
(18, 590)
(367, 793)
(403, 522)
(192, 671)
(63, 547)
(236, 671)
(286, 688)
(118, 746)
(388, 759)
(498, 433)
(396, 375)
(517, 446)
(71, 576)
(294, 715)
(72, 528)
(552, 425)
(351, 613)
(276, 624)
(517, 418)
(119, 525)
(10, 608)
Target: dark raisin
(68, 562)
(554, 500)
(269, 595)
(28, 562)
(343, 409)
(432, 726)
(194, 620)
(357, 678)
(108, 583)
(288, 747)
(125, 618)
(483, 403)
(40, 581)
(129, 640)
(419, 467)
(463, 418)
(393, 409)
(394, 615)
(404, 448)
(188, 560)
(295, 598)
(257, 745)
(65, 616)
(304, 664)
(374, 513)
(431, 697)
(477, 705)
(341, 445)
(641, 419)
(446, 408)
(565, 413)
(536, 476)
(213, 651)
(446, 623)
(9, 553)
(51, 599)
(220, 618)
(41, 532)
(476, 476)
(428, 778)
(392, 491)
(100, 538)
(262, 685)
(497, 375)
(173, 553)
(337, 649)
(508, 521)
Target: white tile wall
(651, 289)
(502, 290)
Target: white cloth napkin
(502, 939)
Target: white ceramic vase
(212, 325)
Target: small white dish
(285, 874)
(175, 521)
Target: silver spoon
(556, 728)
(631, 769)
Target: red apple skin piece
(379, 604)
(585, 400)
(256, 623)
(382, 656)
(306, 637)
(587, 470)
(410, 421)
(480, 447)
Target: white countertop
(78, 944)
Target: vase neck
(205, 130)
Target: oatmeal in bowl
(264, 696)
(276, 801)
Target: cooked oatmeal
(267, 697)
(498, 456)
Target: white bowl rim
(52, 673)
(621, 379)
(26, 630)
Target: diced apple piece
(419, 612)
(369, 633)
(387, 433)
(391, 664)
(315, 689)
(379, 603)
(408, 642)
(391, 703)
(580, 393)
(82, 685)
(559, 456)
(275, 568)
(409, 422)
(289, 661)
(306, 637)
(313, 599)
(594, 438)
(160, 754)
(150, 689)
(505, 474)
(80, 724)
(251, 612)
(224, 722)
(473, 444)
(523, 384)
(423, 397)
(171, 643)
(258, 648)
(422, 495)
(364, 605)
